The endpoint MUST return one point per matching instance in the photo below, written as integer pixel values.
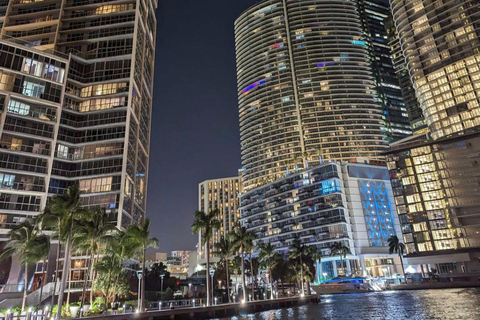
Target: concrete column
(349, 267)
(335, 271)
(362, 265)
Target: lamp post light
(161, 277)
(139, 275)
(325, 275)
(212, 273)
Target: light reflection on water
(450, 304)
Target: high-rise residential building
(184, 256)
(101, 139)
(415, 115)
(440, 43)
(31, 91)
(76, 92)
(305, 86)
(437, 192)
(434, 180)
(351, 203)
(221, 194)
(375, 14)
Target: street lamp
(139, 275)
(161, 277)
(212, 273)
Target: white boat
(344, 285)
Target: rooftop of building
(424, 139)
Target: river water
(448, 304)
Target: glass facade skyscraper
(306, 88)
(375, 14)
(415, 115)
(83, 115)
(440, 41)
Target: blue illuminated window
(359, 43)
(330, 186)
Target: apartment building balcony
(113, 31)
(40, 116)
(14, 206)
(23, 163)
(20, 145)
(34, 8)
(77, 157)
(92, 3)
(86, 24)
(19, 182)
(28, 128)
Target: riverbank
(223, 310)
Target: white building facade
(221, 194)
(350, 203)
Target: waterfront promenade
(222, 310)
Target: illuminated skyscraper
(375, 14)
(415, 115)
(305, 86)
(435, 181)
(440, 41)
(76, 94)
(221, 194)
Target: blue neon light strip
(359, 42)
(254, 85)
(323, 64)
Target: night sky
(195, 133)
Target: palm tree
(110, 268)
(269, 258)
(139, 237)
(30, 245)
(317, 257)
(204, 224)
(52, 220)
(242, 240)
(95, 229)
(67, 209)
(300, 252)
(224, 251)
(339, 249)
(394, 245)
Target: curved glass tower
(305, 87)
(441, 45)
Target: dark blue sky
(195, 133)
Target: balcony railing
(30, 149)
(26, 186)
